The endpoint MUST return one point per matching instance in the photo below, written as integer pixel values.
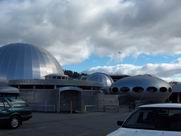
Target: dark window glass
(151, 89)
(1, 104)
(44, 87)
(170, 90)
(163, 89)
(26, 86)
(6, 104)
(156, 119)
(138, 89)
(16, 102)
(115, 90)
(124, 89)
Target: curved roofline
(99, 73)
(141, 80)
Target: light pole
(119, 56)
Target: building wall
(47, 100)
(108, 102)
(40, 100)
(89, 101)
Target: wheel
(14, 122)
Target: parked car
(152, 120)
(13, 112)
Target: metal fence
(43, 107)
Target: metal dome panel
(25, 61)
(102, 78)
(141, 80)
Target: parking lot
(79, 124)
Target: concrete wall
(89, 101)
(112, 103)
(108, 103)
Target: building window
(26, 86)
(170, 90)
(115, 89)
(124, 89)
(151, 89)
(138, 89)
(44, 86)
(163, 89)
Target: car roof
(162, 105)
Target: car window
(16, 102)
(157, 119)
(175, 120)
(141, 119)
(6, 104)
(1, 104)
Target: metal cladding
(102, 78)
(25, 61)
(142, 87)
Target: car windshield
(16, 102)
(155, 118)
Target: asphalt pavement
(58, 124)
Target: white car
(152, 120)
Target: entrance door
(70, 101)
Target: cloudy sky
(112, 36)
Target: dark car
(13, 112)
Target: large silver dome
(25, 61)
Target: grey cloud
(104, 27)
(167, 71)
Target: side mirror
(120, 123)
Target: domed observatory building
(25, 61)
(143, 88)
(41, 80)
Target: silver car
(152, 120)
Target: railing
(111, 108)
(90, 108)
